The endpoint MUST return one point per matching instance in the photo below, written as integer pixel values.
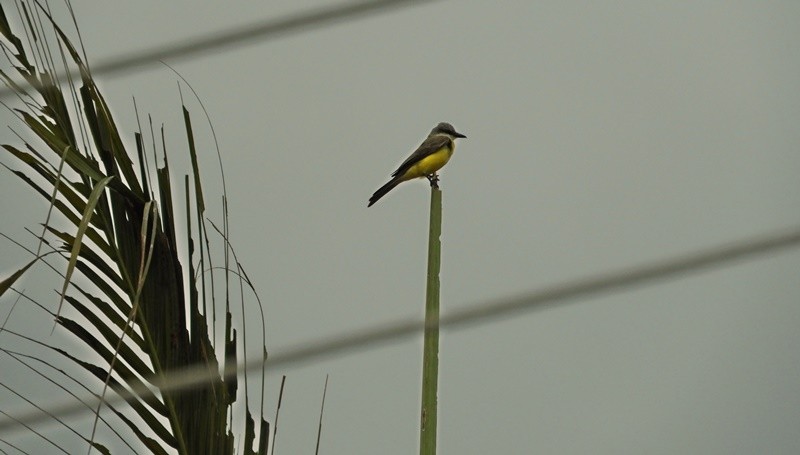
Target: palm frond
(122, 258)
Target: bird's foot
(434, 179)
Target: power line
(239, 36)
(480, 313)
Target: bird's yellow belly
(429, 164)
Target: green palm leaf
(122, 247)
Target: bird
(429, 157)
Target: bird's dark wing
(428, 146)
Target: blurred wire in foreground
(480, 313)
(239, 36)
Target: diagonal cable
(480, 313)
(239, 36)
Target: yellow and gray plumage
(429, 157)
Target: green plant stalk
(430, 356)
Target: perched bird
(429, 157)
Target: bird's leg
(434, 179)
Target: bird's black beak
(459, 135)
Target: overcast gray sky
(600, 135)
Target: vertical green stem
(430, 359)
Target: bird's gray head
(447, 129)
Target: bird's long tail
(383, 190)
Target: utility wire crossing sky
(479, 313)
